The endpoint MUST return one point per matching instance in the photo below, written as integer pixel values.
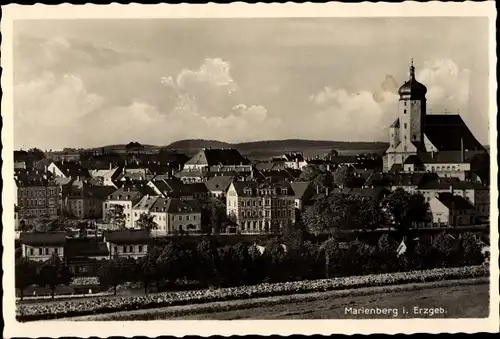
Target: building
(68, 169)
(303, 190)
(424, 135)
(37, 197)
(260, 207)
(128, 244)
(451, 210)
(229, 158)
(127, 197)
(175, 216)
(39, 246)
(142, 207)
(106, 177)
(84, 201)
(217, 186)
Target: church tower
(411, 113)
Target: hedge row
(70, 308)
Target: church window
(405, 105)
(452, 168)
(406, 125)
(405, 136)
(404, 111)
(433, 168)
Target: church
(439, 143)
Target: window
(405, 104)
(131, 249)
(180, 217)
(56, 250)
(406, 125)
(40, 251)
(31, 251)
(254, 203)
(140, 249)
(124, 249)
(404, 110)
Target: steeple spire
(412, 70)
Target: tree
(214, 215)
(405, 208)
(116, 216)
(471, 250)
(332, 154)
(25, 271)
(169, 263)
(330, 252)
(341, 212)
(54, 273)
(208, 259)
(344, 176)
(36, 154)
(147, 222)
(113, 272)
(319, 179)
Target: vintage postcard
(249, 169)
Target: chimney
(462, 150)
(110, 166)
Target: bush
(26, 312)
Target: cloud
(57, 105)
(448, 85)
(60, 55)
(350, 116)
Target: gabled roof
(218, 156)
(126, 194)
(446, 132)
(85, 248)
(127, 237)
(220, 183)
(455, 202)
(72, 169)
(98, 192)
(43, 238)
(169, 205)
(146, 202)
(300, 188)
(253, 186)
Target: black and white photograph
(208, 166)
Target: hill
(269, 148)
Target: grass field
(459, 299)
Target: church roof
(221, 156)
(446, 132)
(446, 157)
(412, 89)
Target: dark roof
(413, 179)
(413, 160)
(395, 124)
(169, 205)
(220, 183)
(446, 183)
(127, 237)
(446, 132)
(98, 192)
(300, 188)
(254, 186)
(124, 193)
(293, 156)
(72, 169)
(455, 201)
(43, 238)
(447, 157)
(85, 248)
(218, 156)
(412, 89)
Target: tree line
(205, 264)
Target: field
(458, 299)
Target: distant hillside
(269, 148)
(197, 144)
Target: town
(91, 205)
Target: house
(142, 207)
(83, 200)
(174, 216)
(127, 197)
(37, 196)
(260, 207)
(68, 169)
(451, 210)
(106, 177)
(303, 190)
(40, 246)
(84, 255)
(209, 157)
(127, 243)
(217, 186)
(293, 160)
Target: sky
(89, 83)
